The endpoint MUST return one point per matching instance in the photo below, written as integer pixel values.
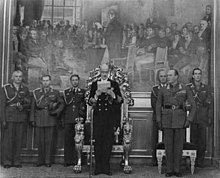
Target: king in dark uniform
(104, 94)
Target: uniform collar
(50, 89)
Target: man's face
(74, 82)
(203, 24)
(111, 16)
(17, 77)
(208, 10)
(173, 26)
(104, 74)
(45, 81)
(196, 29)
(162, 77)
(161, 34)
(197, 75)
(171, 77)
(33, 34)
(149, 31)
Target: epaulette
(189, 84)
(155, 86)
(67, 89)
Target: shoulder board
(155, 86)
(7, 85)
(188, 84)
(67, 89)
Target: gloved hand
(159, 124)
(20, 107)
(4, 124)
(111, 93)
(187, 124)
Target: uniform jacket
(204, 103)
(104, 104)
(11, 100)
(75, 105)
(174, 96)
(33, 47)
(154, 94)
(42, 111)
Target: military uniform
(154, 95)
(15, 105)
(46, 107)
(104, 122)
(202, 118)
(75, 106)
(170, 111)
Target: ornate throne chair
(189, 150)
(122, 143)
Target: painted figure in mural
(172, 119)
(162, 79)
(204, 114)
(15, 104)
(46, 108)
(104, 95)
(113, 35)
(208, 14)
(75, 107)
(205, 34)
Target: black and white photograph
(109, 88)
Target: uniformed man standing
(172, 118)
(75, 106)
(204, 114)
(162, 78)
(15, 103)
(103, 100)
(46, 107)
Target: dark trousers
(198, 137)
(12, 143)
(114, 49)
(69, 144)
(154, 140)
(173, 139)
(45, 138)
(103, 135)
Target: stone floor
(58, 171)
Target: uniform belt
(173, 107)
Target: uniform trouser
(173, 139)
(198, 137)
(45, 136)
(13, 135)
(103, 135)
(69, 144)
(154, 140)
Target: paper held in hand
(104, 85)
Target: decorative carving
(127, 131)
(79, 140)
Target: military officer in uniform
(204, 114)
(15, 103)
(103, 100)
(162, 78)
(172, 117)
(46, 107)
(75, 106)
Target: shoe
(7, 166)
(178, 174)
(67, 164)
(169, 174)
(96, 173)
(18, 166)
(109, 173)
(48, 165)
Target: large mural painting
(141, 49)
